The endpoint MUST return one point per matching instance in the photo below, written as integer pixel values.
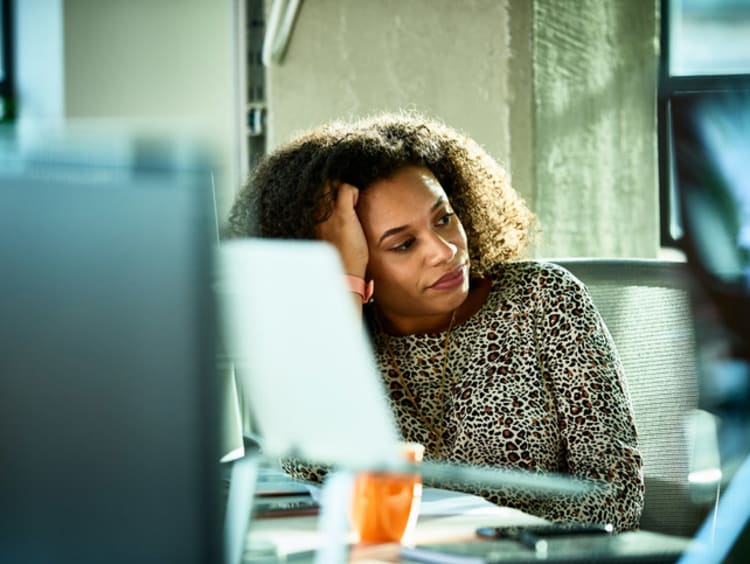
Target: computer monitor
(710, 141)
(305, 366)
(108, 402)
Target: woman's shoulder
(534, 274)
(540, 285)
(532, 283)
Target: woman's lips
(451, 280)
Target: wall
(563, 93)
(594, 107)
(165, 65)
(442, 57)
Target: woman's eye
(403, 246)
(445, 219)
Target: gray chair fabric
(646, 307)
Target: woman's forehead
(400, 200)
(408, 182)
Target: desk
(452, 517)
(445, 516)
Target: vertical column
(594, 127)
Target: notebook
(635, 547)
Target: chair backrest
(646, 307)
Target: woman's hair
(287, 194)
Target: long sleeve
(578, 357)
(533, 383)
(301, 470)
(536, 385)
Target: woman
(486, 359)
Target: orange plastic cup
(385, 505)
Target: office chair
(646, 307)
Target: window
(705, 59)
(7, 106)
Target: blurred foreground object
(108, 407)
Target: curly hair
(288, 194)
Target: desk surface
(444, 516)
(449, 519)
(453, 517)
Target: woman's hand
(345, 232)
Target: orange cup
(385, 505)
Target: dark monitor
(109, 443)
(710, 139)
(710, 136)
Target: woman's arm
(579, 359)
(300, 470)
(344, 231)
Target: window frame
(7, 82)
(669, 87)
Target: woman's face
(417, 246)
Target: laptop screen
(301, 355)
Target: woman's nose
(440, 250)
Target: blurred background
(563, 93)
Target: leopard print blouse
(532, 382)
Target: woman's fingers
(347, 197)
(345, 232)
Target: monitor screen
(711, 144)
(108, 419)
(710, 138)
